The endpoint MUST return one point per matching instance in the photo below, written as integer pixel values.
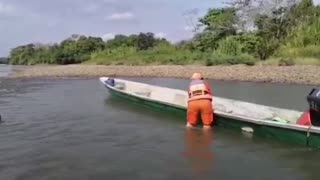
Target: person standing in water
(199, 102)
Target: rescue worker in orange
(199, 102)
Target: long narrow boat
(265, 121)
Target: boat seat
(222, 108)
(143, 92)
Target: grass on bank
(302, 46)
(290, 61)
(166, 55)
(229, 52)
(132, 57)
(287, 56)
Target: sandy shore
(276, 74)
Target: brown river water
(73, 129)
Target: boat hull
(314, 139)
(271, 132)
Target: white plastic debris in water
(247, 129)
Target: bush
(230, 46)
(218, 58)
(311, 51)
(303, 42)
(164, 54)
(286, 62)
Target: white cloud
(121, 16)
(108, 36)
(188, 28)
(6, 9)
(160, 35)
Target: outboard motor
(110, 81)
(314, 106)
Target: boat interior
(237, 108)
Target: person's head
(197, 76)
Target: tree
(218, 24)
(145, 41)
(21, 54)
(220, 21)
(189, 17)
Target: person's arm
(209, 87)
(188, 90)
(211, 92)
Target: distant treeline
(3, 60)
(239, 33)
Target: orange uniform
(200, 102)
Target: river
(72, 129)
(4, 70)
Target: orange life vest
(198, 89)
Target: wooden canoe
(260, 120)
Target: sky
(48, 21)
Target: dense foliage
(243, 32)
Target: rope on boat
(308, 135)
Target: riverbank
(302, 74)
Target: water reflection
(198, 150)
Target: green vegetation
(285, 35)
